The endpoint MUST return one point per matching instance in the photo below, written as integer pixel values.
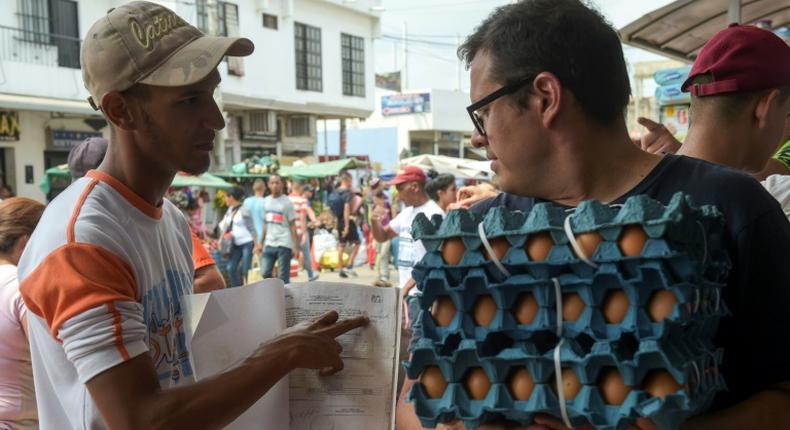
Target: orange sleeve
(74, 278)
(200, 257)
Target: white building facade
(313, 60)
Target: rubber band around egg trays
(587, 405)
(465, 222)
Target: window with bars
(270, 21)
(201, 12)
(308, 57)
(352, 50)
(298, 126)
(33, 16)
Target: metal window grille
(201, 12)
(299, 126)
(33, 16)
(353, 60)
(308, 57)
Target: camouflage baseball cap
(143, 42)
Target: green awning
(321, 170)
(206, 180)
(60, 173)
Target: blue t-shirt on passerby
(255, 205)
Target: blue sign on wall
(69, 139)
(402, 104)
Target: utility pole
(405, 74)
(342, 138)
(458, 60)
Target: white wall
(270, 70)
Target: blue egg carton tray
(693, 366)
(695, 315)
(689, 238)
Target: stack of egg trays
(682, 266)
(687, 238)
(695, 316)
(693, 366)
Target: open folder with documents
(225, 327)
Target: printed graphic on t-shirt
(165, 320)
(406, 250)
(273, 217)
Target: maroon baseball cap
(408, 174)
(741, 58)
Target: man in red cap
(410, 183)
(740, 98)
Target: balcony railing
(33, 47)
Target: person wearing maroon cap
(410, 183)
(740, 98)
(549, 90)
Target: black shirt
(756, 338)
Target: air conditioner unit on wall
(259, 125)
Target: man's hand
(296, 253)
(257, 249)
(659, 139)
(471, 194)
(552, 423)
(378, 213)
(311, 344)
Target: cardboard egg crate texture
(682, 255)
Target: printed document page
(362, 396)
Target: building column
(343, 138)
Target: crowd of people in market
(93, 283)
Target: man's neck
(717, 143)
(603, 164)
(142, 176)
(276, 195)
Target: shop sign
(402, 104)
(68, 139)
(9, 126)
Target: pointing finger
(648, 123)
(345, 326)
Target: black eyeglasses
(476, 106)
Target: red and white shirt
(103, 276)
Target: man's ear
(548, 89)
(118, 110)
(763, 108)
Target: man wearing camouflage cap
(105, 289)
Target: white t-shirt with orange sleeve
(103, 278)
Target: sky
(435, 26)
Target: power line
(422, 41)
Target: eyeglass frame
(476, 106)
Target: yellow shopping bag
(254, 274)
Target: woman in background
(18, 219)
(442, 190)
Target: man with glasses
(550, 89)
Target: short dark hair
(439, 183)
(563, 37)
(237, 193)
(727, 106)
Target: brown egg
(526, 308)
(538, 246)
(588, 242)
(632, 240)
(443, 311)
(521, 384)
(613, 389)
(500, 246)
(661, 304)
(484, 310)
(615, 306)
(477, 383)
(659, 383)
(453, 250)
(433, 382)
(572, 306)
(570, 384)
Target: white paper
(362, 396)
(225, 327)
